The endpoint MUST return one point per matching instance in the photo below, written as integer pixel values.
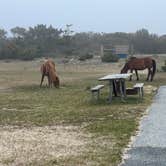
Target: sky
(86, 15)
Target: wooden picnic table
(112, 78)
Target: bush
(86, 56)
(109, 57)
(163, 68)
(15, 52)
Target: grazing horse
(140, 64)
(48, 69)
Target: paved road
(149, 148)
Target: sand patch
(25, 145)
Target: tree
(44, 37)
(3, 34)
(67, 40)
(19, 32)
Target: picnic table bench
(137, 89)
(95, 90)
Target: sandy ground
(19, 146)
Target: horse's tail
(154, 66)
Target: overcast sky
(86, 15)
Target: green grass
(71, 104)
(28, 105)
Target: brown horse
(140, 64)
(48, 69)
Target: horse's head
(124, 69)
(56, 82)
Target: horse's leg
(153, 68)
(149, 72)
(42, 78)
(49, 81)
(136, 74)
(131, 71)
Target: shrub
(164, 67)
(15, 52)
(86, 56)
(109, 57)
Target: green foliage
(18, 32)
(12, 51)
(2, 34)
(29, 54)
(109, 57)
(164, 67)
(86, 56)
(51, 40)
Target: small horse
(140, 64)
(48, 69)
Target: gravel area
(149, 147)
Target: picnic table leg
(142, 90)
(124, 89)
(121, 89)
(98, 94)
(114, 88)
(141, 93)
(110, 90)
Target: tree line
(42, 40)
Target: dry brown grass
(20, 146)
